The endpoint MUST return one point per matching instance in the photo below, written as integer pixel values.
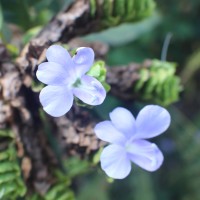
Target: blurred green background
(179, 177)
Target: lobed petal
(151, 121)
(108, 133)
(90, 91)
(145, 154)
(114, 161)
(83, 60)
(124, 121)
(56, 100)
(59, 55)
(52, 73)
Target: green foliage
(61, 190)
(37, 86)
(26, 13)
(31, 33)
(11, 183)
(74, 167)
(119, 11)
(13, 50)
(158, 83)
(6, 133)
(64, 193)
(96, 157)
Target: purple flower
(66, 77)
(127, 136)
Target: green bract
(158, 83)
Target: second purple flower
(127, 136)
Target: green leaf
(30, 34)
(68, 195)
(13, 50)
(8, 166)
(37, 86)
(8, 177)
(158, 83)
(96, 157)
(6, 133)
(9, 153)
(75, 166)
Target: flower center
(77, 83)
(129, 147)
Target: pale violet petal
(83, 60)
(107, 132)
(52, 73)
(124, 121)
(114, 162)
(59, 55)
(145, 154)
(56, 100)
(151, 121)
(90, 91)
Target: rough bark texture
(19, 104)
(122, 79)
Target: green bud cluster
(114, 12)
(158, 83)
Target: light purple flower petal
(83, 60)
(56, 100)
(114, 162)
(107, 132)
(151, 121)
(52, 73)
(145, 154)
(59, 55)
(66, 72)
(124, 121)
(90, 91)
